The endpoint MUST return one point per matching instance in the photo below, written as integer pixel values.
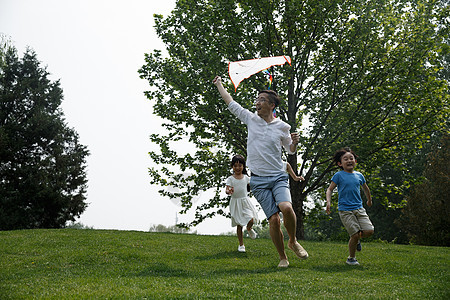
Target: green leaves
(425, 217)
(364, 74)
(42, 165)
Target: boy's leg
(366, 225)
(353, 241)
(359, 246)
(366, 233)
(351, 224)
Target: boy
(350, 206)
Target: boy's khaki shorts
(355, 220)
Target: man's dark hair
(273, 96)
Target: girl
(243, 213)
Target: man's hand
(217, 81)
(295, 138)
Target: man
(269, 181)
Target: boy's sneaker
(241, 248)
(251, 234)
(359, 247)
(352, 261)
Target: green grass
(104, 264)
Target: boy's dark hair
(240, 159)
(273, 96)
(338, 155)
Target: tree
(363, 75)
(42, 164)
(425, 216)
(172, 229)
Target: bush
(172, 229)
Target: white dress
(241, 208)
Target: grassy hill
(106, 264)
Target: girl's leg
(249, 225)
(239, 235)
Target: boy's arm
(225, 95)
(367, 193)
(329, 193)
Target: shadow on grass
(224, 255)
(164, 270)
(337, 267)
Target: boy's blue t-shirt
(349, 189)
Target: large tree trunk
(297, 203)
(297, 199)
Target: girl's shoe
(251, 234)
(241, 248)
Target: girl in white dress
(243, 213)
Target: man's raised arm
(225, 95)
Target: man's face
(263, 106)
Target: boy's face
(348, 162)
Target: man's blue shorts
(270, 191)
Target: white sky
(95, 47)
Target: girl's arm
(229, 190)
(329, 193)
(293, 175)
(225, 95)
(367, 193)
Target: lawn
(108, 264)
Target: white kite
(240, 70)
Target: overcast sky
(95, 48)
